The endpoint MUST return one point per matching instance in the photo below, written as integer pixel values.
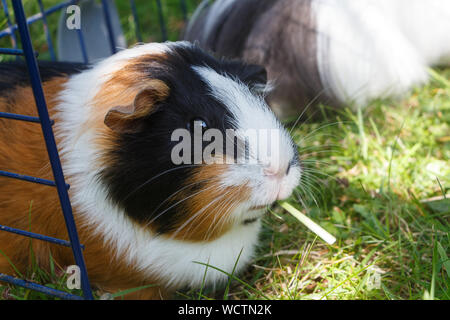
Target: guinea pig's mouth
(254, 213)
(250, 221)
(261, 207)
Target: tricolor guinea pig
(143, 215)
(334, 51)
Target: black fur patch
(232, 27)
(141, 176)
(14, 74)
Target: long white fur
(368, 49)
(371, 49)
(170, 260)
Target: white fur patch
(252, 113)
(368, 49)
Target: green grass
(377, 179)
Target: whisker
(310, 185)
(159, 175)
(315, 152)
(319, 146)
(226, 205)
(221, 208)
(178, 191)
(321, 173)
(195, 215)
(177, 203)
(306, 108)
(224, 217)
(301, 201)
(310, 162)
(230, 200)
(231, 205)
(323, 127)
(310, 195)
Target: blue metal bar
(15, 52)
(136, 21)
(15, 116)
(28, 178)
(47, 33)
(38, 287)
(8, 21)
(184, 9)
(81, 39)
(106, 15)
(34, 18)
(82, 46)
(36, 85)
(38, 236)
(161, 20)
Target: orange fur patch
(122, 87)
(211, 207)
(125, 118)
(36, 208)
(120, 91)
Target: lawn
(377, 179)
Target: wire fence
(21, 26)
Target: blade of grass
(227, 289)
(235, 278)
(311, 225)
(128, 291)
(444, 259)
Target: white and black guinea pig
(333, 51)
(142, 218)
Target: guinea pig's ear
(126, 119)
(255, 76)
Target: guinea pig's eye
(197, 122)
